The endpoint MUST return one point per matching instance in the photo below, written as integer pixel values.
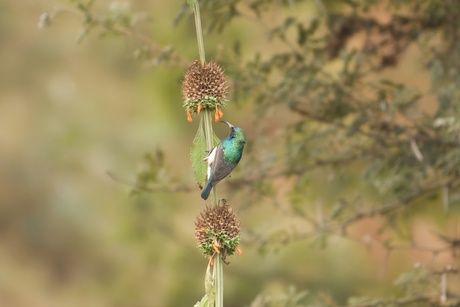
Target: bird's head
(235, 132)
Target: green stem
(219, 278)
(218, 272)
(199, 31)
(208, 129)
(209, 135)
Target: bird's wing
(220, 168)
(210, 160)
(210, 155)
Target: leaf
(210, 286)
(82, 34)
(357, 123)
(208, 299)
(303, 34)
(289, 22)
(197, 154)
(215, 139)
(414, 276)
(203, 303)
(191, 3)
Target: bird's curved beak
(229, 125)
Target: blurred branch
(91, 21)
(400, 203)
(398, 33)
(163, 187)
(430, 299)
(332, 227)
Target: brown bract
(217, 231)
(202, 81)
(216, 220)
(204, 87)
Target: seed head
(217, 230)
(204, 87)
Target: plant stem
(208, 129)
(209, 135)
(199, 31)
(219, 278)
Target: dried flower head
(217, 230)
(204, 87)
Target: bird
(223, 158)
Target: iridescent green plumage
(224, 157)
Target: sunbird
(223, 158)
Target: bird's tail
(206, 190)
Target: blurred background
(97, 194)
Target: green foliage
(197, 154)
(292, 297)
(416, 281)
(349, 117)
(153, 169)
(227, 244)
(360, 135)
(421, 287)
(208, 299)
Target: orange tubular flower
(221, 114)
(216, 115)
(198, 110)
(216, 246)
(238, 250)
(189, 116)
